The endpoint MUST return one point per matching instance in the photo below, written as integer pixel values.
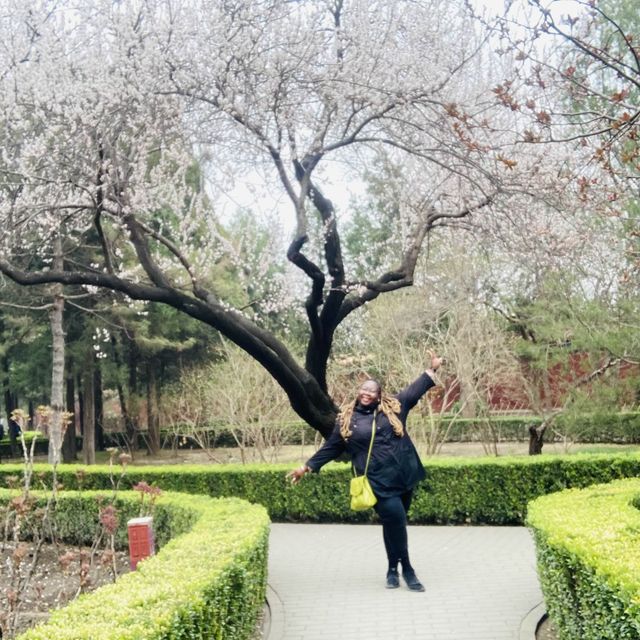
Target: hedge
(207, 581)
(619, 428)
(588, 563)
(41, 447)
(456, 490)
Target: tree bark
(89, 418)
(99, 407)
(80, 387)
(536, 438)
(122, 400)
(10, 403)
(57, 368)
(132, 414)
(69, 448)
(153, 423)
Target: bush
(588, 562)
(41, 447)
(618, 428)
(456, 490)
(208, 579)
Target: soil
(55, 580)
(546, 631)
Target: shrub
(456, 490)
(588, 562)
(618, 428)
(208, 579)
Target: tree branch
(304, 392)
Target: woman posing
(394, 468)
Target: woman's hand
(436, 363)
(297, 474)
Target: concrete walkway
(326, 582)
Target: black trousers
(393, 515)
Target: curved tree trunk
(536, 438)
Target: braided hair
(389, 405)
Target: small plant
(23, 518)
(148, 497)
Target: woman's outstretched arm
(333, 448)
(410, 395)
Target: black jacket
(394, 467)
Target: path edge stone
(531, 622)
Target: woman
(394, 469)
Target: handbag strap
(373, 435)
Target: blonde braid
(346, 413)
(389, 405)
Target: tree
(57, 420)
(577, 78)
(236, 394)
(107, 108)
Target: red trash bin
(141, 541)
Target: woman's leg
(404, 557)
(393, 515)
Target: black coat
(395, 466)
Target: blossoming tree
(116, 116)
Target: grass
(296, 454)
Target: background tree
(102, 132)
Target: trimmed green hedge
(41, 448)
(456, 490)
(207, 581)
(619, 428)
(28, 437)
(588, 543)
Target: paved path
(326, 582)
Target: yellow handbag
(362, 496)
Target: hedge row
(41, 447)
(589, 565)
(456, 490)
(208, 579)
(617, 428)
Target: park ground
(296, 454)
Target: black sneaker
(393, 581)
(412, 581)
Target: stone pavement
(326, 582)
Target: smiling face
(369, 393)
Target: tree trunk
(56, 424)
(89, 418)
(133, 410)
(69, 449)
(536, 438)
(153, 423)
(122, 400)
(99, 407)
(31, 410)
(10, 403)
(80, 403)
